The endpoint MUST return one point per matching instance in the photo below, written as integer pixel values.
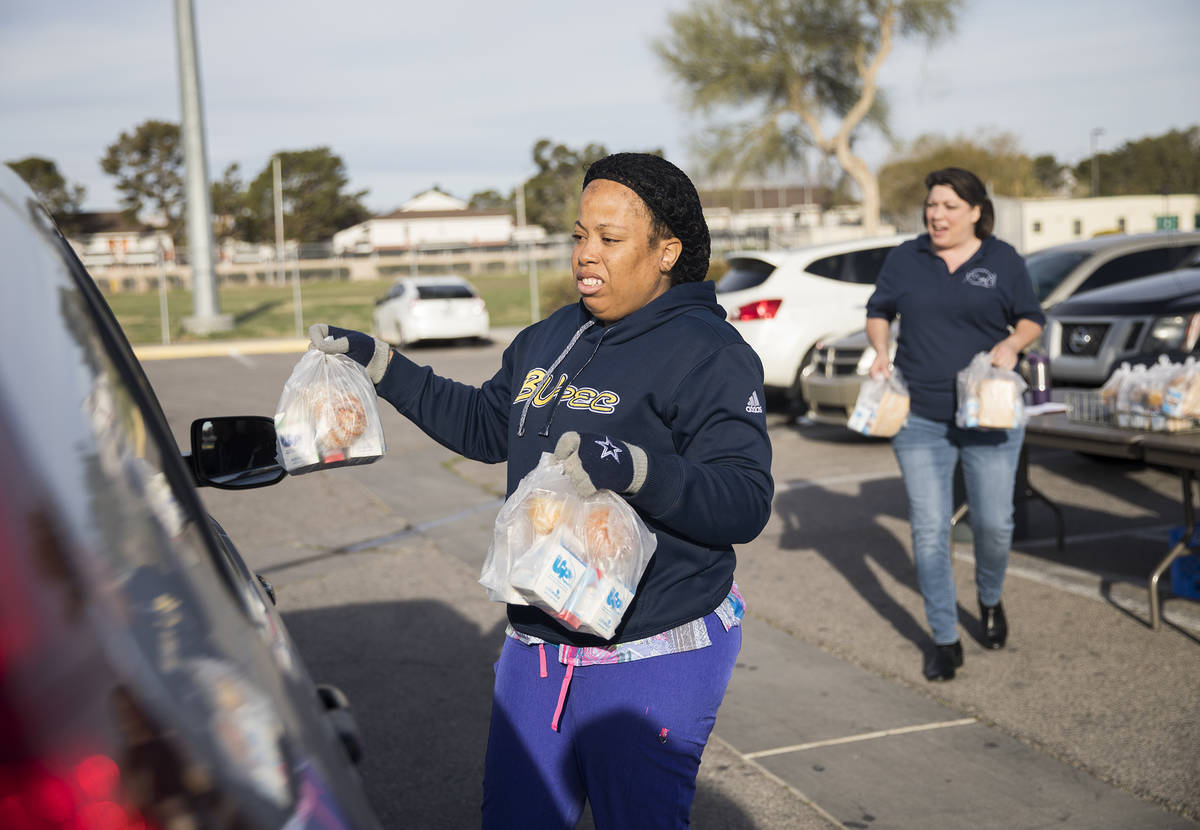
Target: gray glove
(363, 349)
(593, 461)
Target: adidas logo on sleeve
(753, 405)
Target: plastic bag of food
(989, 397)
(1182, 396)
(882, 406)
(578, 559)
(327, 416)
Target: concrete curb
(218, 348)
(282, 345)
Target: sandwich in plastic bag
(882, 406)
(578, 559)
(327, 416)
(989, 397)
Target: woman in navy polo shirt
(959, 291)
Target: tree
(315, 205)
(148, 164)
(1168, 163)
(52, 189)
(552, 194)
(228, 201)
(1054, 178)
(995, 157)
(490, 200)
(805, 63)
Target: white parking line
(865, 736)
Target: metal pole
(528, 249)
(297, 302)
(206, 307)
(1096, 132)
(163, 313)
(280, 267)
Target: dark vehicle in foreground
(1092, 333)
(832, 377)
(146, 681)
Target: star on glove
(599, 462)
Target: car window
(830, 266)
(744, 272)
(1137, 264)
(864, 266)
(395, 291)
(444, 292)
(1048, 269)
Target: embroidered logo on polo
(753, 405)
(980, 277)
(537, 385)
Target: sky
(455, 93)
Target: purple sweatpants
(629, 739)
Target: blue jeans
(928, 452)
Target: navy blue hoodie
(673, 378)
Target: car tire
(796, 405)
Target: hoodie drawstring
(550, 375)
(545, 431)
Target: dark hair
(969, 188)
(673, 203)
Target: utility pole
(1096, 132)
(206, 307)
(525, 246)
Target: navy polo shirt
(947, 318)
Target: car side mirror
(235, 452)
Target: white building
(1032, 224)
(110, 238)
(430, 219)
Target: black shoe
(994, 625)
(942, 661)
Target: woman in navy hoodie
(641, 388)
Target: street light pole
(206, 316)
(1096, 132)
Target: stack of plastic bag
(327, 415)
(882, 406)
(989, 397)
(578, 559)
(1163, 396)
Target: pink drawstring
(542, 659)
(562, 695)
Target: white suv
(783, 302)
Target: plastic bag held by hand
(327, 415)
(578, 559)
(989, 397)
(882, 406)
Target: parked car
(145, 678)
(783, 302)
(1090, 334)
(832, 377)
(430, 308)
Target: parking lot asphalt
(1088, 719)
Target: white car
(783, 302)
(430, 308)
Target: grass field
(268, 311)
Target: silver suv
(830, 380)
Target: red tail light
(761, 310)
(47, 781)
(88, 797)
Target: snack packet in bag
(327, 416)
(882, 406)
(578, 559)
(989, 397)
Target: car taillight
(87, 796)
(761, 310)
(47, 781)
